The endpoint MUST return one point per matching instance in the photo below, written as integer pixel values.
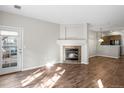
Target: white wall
(39, 39)
(92, 40)
(72, 31)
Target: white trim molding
(30, 68)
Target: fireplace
(78, 47)
(72, 53)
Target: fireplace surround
(72, 43)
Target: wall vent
(17, 6)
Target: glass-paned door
(10, 51)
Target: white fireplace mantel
(71, 42)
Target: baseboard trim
(30, 68)
(108, 56)
(92, 56)
(35, 67)
(85, 62)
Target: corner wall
(92, 41)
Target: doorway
(11, 51)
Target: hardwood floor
(100, 72)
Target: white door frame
(20, 29)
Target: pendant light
(101, 37)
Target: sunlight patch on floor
(37, 71)
(58, 68)
(49, 65)
(100, 84)
(50, 83)
(31, 78)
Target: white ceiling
(107, 17)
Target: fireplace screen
(72, 53)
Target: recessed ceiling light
(17, 6)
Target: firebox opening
(72, 53)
